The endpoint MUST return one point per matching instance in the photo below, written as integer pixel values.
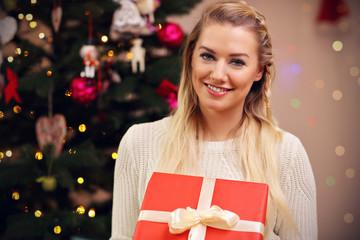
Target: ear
(260, 73)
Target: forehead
(228, 38)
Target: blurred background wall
(316, 96)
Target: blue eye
(237, 62)
(207, 56)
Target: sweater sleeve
(298, 184)
(125, 195)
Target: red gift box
(169, 196)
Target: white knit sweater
(139, 149)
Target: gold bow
(183, 219)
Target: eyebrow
(231, 54)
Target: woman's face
(225, 65)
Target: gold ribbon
(183, 219)
(198, 219)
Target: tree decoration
(148, 7)
(8, 28)
(84, 90)
(56, 16)
(51, 130)
(332, 10)
(90, 55)
(138, 53)
(171, 35)
(11, 89)
(48, 183)
(169, 92)
(127, 20)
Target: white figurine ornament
(90, 56)
(138, 53)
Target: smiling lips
(216, 91)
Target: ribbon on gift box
(205, 215)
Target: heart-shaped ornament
(8, 28)
(51, 130)
(56, 16)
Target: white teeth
(216, 89)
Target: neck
(220, 126)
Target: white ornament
(127, 14)
(147, 7)
(138, 53)
(8, 27)
(90, 55)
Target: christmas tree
(75, 75)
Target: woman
(222, 128)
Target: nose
(219, 72)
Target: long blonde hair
(257, 134)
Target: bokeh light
(110, 53)
(295, 103)
(41, 35)
(306, 7)
(319, 83)
(57, 229)
(296, 69)
(68, 92)
(1, 114)
(330, 181)
(29, 17)
(340, 150)
(129, 55)
(20, 16)
(104, 38)
(33, 24)
(80, 180)
(18, 51)
(10, 59)
(80, 210)
(82, 127)
(91, 212)
(350, 173)
(17, 109)
(15, 195)
(337, 95)
(349, 218)
(337, 46)
(8, 153)
(312, 121)
(38, 213)
(354, 71)
(38, 156)
(114, 155)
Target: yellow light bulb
(80, 180)
(114, 155)
(38, 155)
(82, 127)
(91, 212)
(15, 195)
(57, 229)
(80, 210)
(17, 109)
(38, 213)
(104, 38)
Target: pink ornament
(171, 35)
(84, 90)
(51, 130)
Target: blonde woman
(222, 128)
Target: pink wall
(316, 96)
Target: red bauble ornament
(171, 35)
(84, 90)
